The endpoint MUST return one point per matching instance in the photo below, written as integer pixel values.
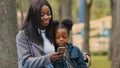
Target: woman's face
(45, 16)
(61, 36)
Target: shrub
(99, 53)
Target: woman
(35, 41)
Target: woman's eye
(48, 14)
(42, 14)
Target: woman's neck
(42, 28)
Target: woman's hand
(56, 56)
(87, 58)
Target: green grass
(100, 62)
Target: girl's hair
(33, 22)
(67, 24)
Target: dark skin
(45, 20)
(45, 16)
(62, 38)
(56, 56)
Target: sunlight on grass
(100, 62)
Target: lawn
(100, 62)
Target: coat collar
(73, 51)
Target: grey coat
(30, 55)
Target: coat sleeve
(81, 62)
(25, 59)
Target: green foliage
(100, 62)
(20, 5)
(55, 4)
(99, 53)
(100, 8)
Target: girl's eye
(64, 36)
(57, 37)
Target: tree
(116, 35)
(66, 12)
(100, 8)
(113, 9)
(23, 7)
(27, 5)
(87, 6)
(8, 30)
(66, 9)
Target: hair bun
(56, 22)
(68, 23)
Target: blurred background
(95, 30)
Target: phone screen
(61, 49)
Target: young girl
(73, 56)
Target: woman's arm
(87, 58)
(81, 62)
(25, 58)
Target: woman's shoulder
(20, 34)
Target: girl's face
(61, 37)
(45, 16)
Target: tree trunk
(60, 11)
(22, 14)
(8, 30)
(27, 5)
(116, 35)
(66, 12)
(87, 6)
(113, 9)
(66, 9)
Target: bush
(99, 53)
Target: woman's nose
(46, 16)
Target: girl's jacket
(75, 56)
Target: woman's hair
(67, 24)
(33, 22)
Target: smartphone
(61, 49)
